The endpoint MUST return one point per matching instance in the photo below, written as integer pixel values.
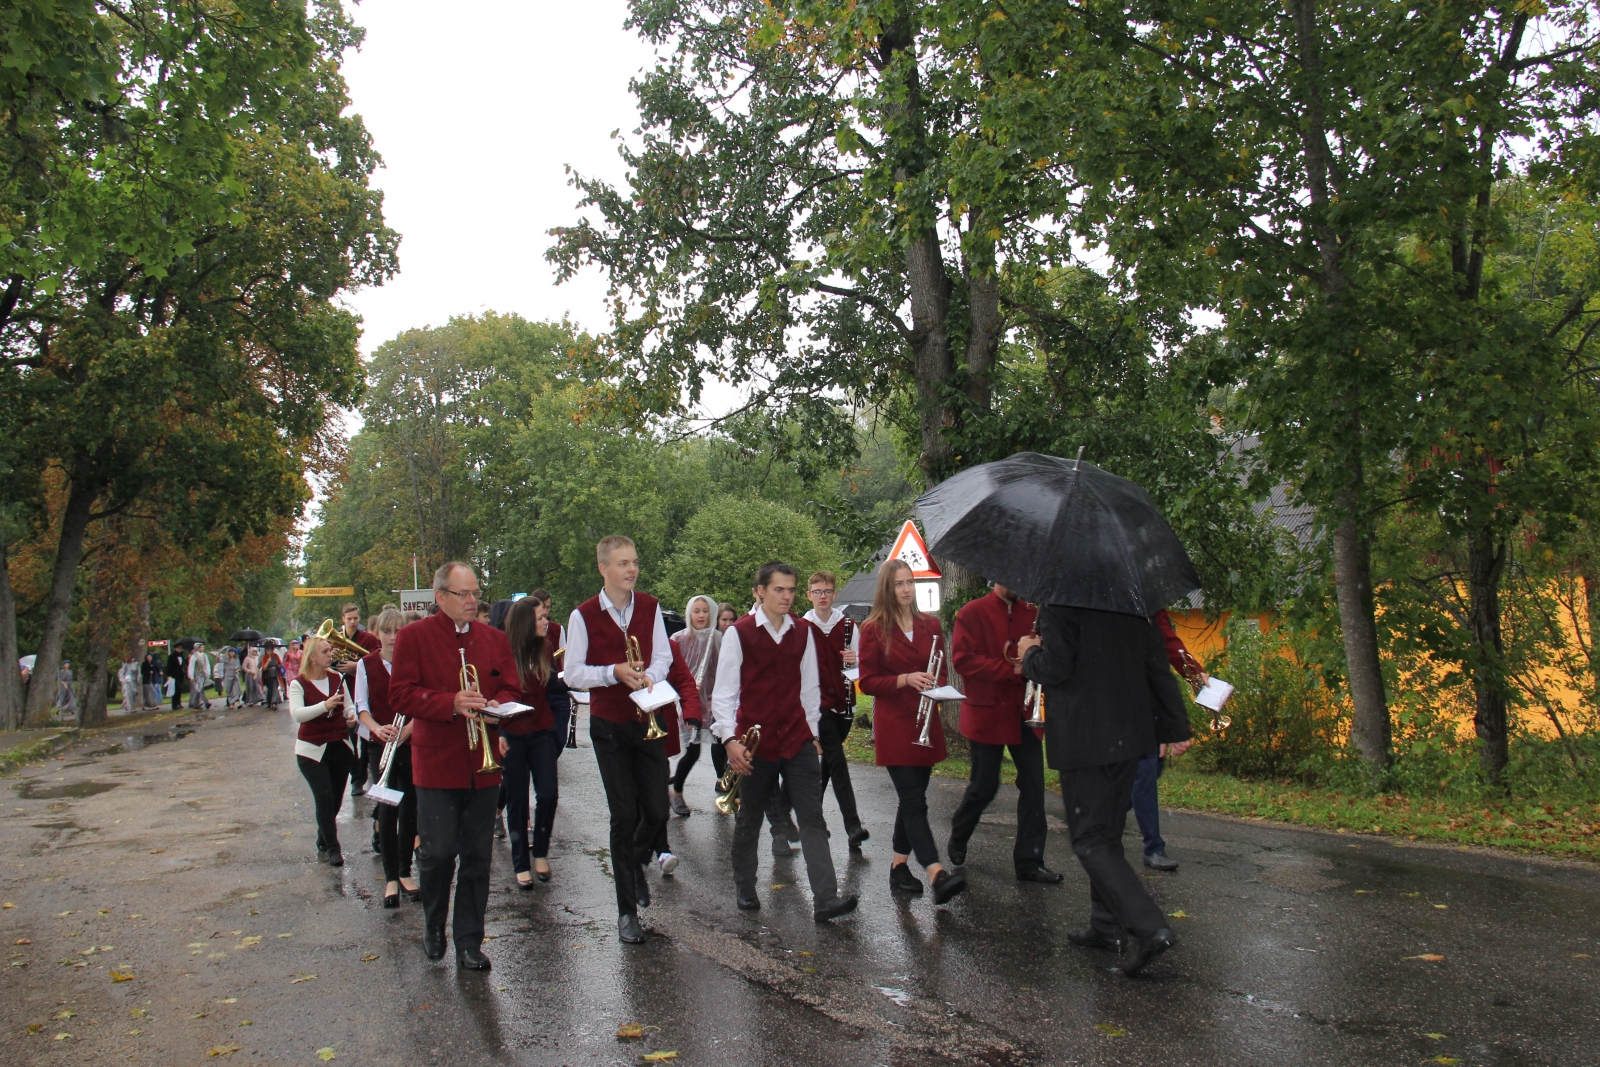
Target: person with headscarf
(128, 678)
(66, 696)
(698, 642)
(151, 677)
(232, 694)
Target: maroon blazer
(423, 687)
(985, 631)
(894, 711)
(541, 717)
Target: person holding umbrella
(1096, 552)
(177, 676)
(898, 643)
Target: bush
(1285, 722)
(729, 539)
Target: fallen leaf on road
(285, 935)
(1446, 1060)
(254, 912)
(1359, 892)
(136, 1013)
(1111, 1030)
(135, 1033)
(1582, 956)
(630, 1031)
(121, 976)
(62, 1037)
(251, 896)
(65, 1013)
(105, 911)
(222, 1050)
(369, 957)
(199, 1015)
(230, 1000)
(1436, 1037)
(1430, 957)
(136, 916)
(157, 851)
(23, 941)
(8, 904)
(1442, 907)
(62, 914)
(1179, 914)
(247, 942)
(302, 978)
(246, 1022)
(325, 1054)
(34, 1028)
(804, 953)
(657, 1057)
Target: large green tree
(170, 334)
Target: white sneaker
(669, 863)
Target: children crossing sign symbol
(912, 550)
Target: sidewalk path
(189, 865)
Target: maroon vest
(838, 692)
(769, 686)
(325, 729)
(608, 645)
(378, 689)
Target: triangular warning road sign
(912, 550)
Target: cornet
(727, 800)
(653, 730)
(381, 792)
(477, 729)
(925, 706)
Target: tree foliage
(728, 541)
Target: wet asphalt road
(188, 864)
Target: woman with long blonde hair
(897, 642)
(322, 746)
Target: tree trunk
(11, 688)
(930, 310)
(1352, 575)
(69, 554)
(983, 329)
(1486, 562)
(102, 617)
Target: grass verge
(1550, 828)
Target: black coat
(1109, 693)
(176, 671)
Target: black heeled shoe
(522, 884)
(413, 895)
(391, 900)
(543, 876)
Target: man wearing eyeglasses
(455, 799)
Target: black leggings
(691, 756)
(912, 834)
(327, 778)
(397, 824)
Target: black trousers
(634, 773)
(530, 757)
(912, 834)
(327, 777)
(1096, 800)
(691, 756)
(801, 776)
(832, 729)
(456, 825)
(397, 825)
(366, 765)
(1028, 853)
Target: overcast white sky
(476, 107)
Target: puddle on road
(77, 790)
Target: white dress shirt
(730, 670)
(834, 620)
(580, 674)
(363, 692)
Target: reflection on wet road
(1296, 947)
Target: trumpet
(1033, 700)
(477, 729)
(727, 800)
(925, 706)
(386, 764)
(653, 730)
(344, 649)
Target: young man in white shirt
(767, 677)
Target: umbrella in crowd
(1059, 531)
(246, 635)
(273, 642)
(190, 642)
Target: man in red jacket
(983, 651)
(455, 799)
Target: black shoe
(358, 790)
(525, 885)
(630, 930)
(948, 884)
(781, 847)
(413, 895)
(749, 902)
(1146, 949)
(641, 890)
(958, 854)
(1160, 861)
(858, 835)
(1040, 874)
(499, 827)
(543, 876)
(377, 845)
(1092, 938)
(902, 880)
(471, 959)
(335, 857)
(322, 854)
(392, 900)
(675, 799)
(433, 944)
(834, 908)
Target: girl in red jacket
(897, 642)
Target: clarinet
(848, 712)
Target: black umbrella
(246, 635)
(1059, 531)
(189, 642)
(273, 642)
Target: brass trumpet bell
(477, 729)
(652, 730)
(727, 800)
(344, 649)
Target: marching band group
(462, 717)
